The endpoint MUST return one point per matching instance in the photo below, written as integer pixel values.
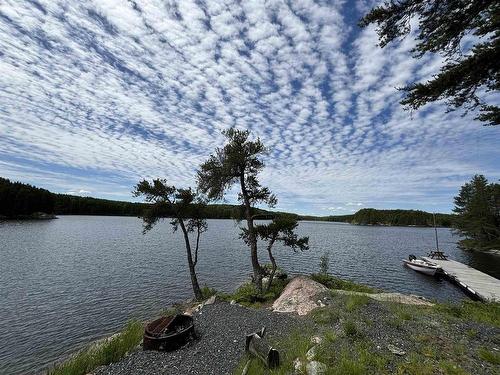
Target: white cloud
(102, 93)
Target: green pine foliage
(477, 206)
(446, 27)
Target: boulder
(300, 296)
(316, 368)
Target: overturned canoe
(168, 333)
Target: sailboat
(424, 266)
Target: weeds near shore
(332, 282)
(105, 352)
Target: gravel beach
(221, 328)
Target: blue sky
(96, 95)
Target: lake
(67, 282)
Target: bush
(332, 282)
(324, 264)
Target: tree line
(18, 200)
(371, 216)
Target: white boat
(422, 266)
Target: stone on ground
(316, 368)
(299, 296)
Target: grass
(332, 282)
(480, 312)
(346, 326)
(489, 356)
(354, 302)
(350, 328)
(297, 344)
(248, 295)
(102, 353)
(208, 292)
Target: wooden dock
(483, 286)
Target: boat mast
(435, 230)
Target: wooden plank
(486, 287)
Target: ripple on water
(66, 282)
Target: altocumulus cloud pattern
(97, 94)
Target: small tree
(324, 264)
(281, 229)
(185, 207)
(238, 162)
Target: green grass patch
(332, 282)
(470, 310)
(350, 328)
(105, 352)
(291, 347)
(416, 365)
(325, 315)
(354, 302)
(208, 292)
(489, 356)
(248, 295)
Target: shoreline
(395, 315)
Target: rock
(300, 296)
(297, 366)
(316, 340)
(395, 350)
(233, 302)
(311, 353)
(407, 299)
(211, 300)
(315, 368)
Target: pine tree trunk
(194, 280)
(273, 262)
(252, 238)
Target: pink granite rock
(300, 296)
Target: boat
(168, 332)
(422, 266)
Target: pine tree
(238, 162)
(478, 213)
(443, 26)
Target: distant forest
(372, 216)
(19, 200)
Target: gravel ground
(221, 330)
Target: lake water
(66, 282)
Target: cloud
(102, 93)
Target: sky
(96, 95)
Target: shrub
(324, 264)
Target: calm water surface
(66, 282)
